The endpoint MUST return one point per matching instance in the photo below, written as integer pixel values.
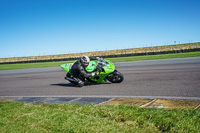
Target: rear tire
(116, 77)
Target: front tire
(116, 77)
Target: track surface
(156, 78)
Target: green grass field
(119, 59)
(72, 118)
(154, 57)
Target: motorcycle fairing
(91, 67)
(67, 66)
(101, 78)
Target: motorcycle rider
(78, 72)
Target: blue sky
(46, 27)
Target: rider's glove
(95, 73)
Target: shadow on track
(73, 85)
(64, 85)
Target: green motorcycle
(106, 68)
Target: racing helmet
(85, 61)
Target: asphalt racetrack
(166, 78)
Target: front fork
(110, 76)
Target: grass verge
(70, 118)
(32, 65)
(119, 59)
(154, 57)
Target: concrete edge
(141, 102)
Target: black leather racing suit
(78, 71)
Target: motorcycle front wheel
(116, 77)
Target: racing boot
(80, 83)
